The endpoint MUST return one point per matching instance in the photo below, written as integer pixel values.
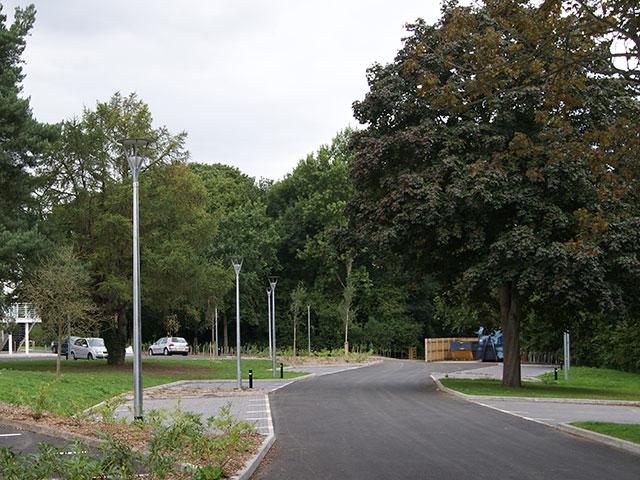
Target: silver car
(89, 348)
(169, 346)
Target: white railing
(20, 313)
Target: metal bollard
(250, 378)
(555, 373)
(281, 370)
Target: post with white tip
(135, 149)
(273, 280)
(237, 265)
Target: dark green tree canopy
(503, 187)
(22, 141)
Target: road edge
(49, 431)
(614, 442)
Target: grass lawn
(629, 432)
(86, 383)
(584, 382)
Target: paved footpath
(250, 404)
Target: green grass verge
(624, 431)
(584, 383)
(86, 383)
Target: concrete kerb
(598, 437)
(562, 427)
(577, 401)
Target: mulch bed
(126, 433)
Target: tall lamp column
(273, 280)
(237, 265)
(269, 322)
(135, 149)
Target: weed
(107, 410)
(207, 473)
(41, 401)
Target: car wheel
(185, 353)
(73, 356)
(166, 352)
(150, 352)
(89, 356)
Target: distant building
(16, 323)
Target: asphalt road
(24, 441)
(388, 421)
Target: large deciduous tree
(90, 197)
(22, 141)
(506, 178)
(238, 204)
(613, 24)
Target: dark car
(65, 345)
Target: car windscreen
(96, 342)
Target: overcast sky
(256, 84)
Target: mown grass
(624, 431)
(86, 383)
(583, 383)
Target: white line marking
(267, 403)
(255, 411)
(10, 434)
(258, 418)
(508, 412)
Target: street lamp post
(273, 280)
(269, 322)
(134, 150)
(237, 265)
(215, 316)
(309, 328)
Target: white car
(89, 348)
(169, 346)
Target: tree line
(493, 182)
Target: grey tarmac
(389, 421)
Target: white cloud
(256, 84)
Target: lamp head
(135, 150)
(236, 261)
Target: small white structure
(22, 314)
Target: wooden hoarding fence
(439, 349)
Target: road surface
(388, 421)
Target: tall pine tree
(22, 141)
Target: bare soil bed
(311, 360)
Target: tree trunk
(209, 320)
(122, 338)
(58, 354)
(510, 313)
(294, 335)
